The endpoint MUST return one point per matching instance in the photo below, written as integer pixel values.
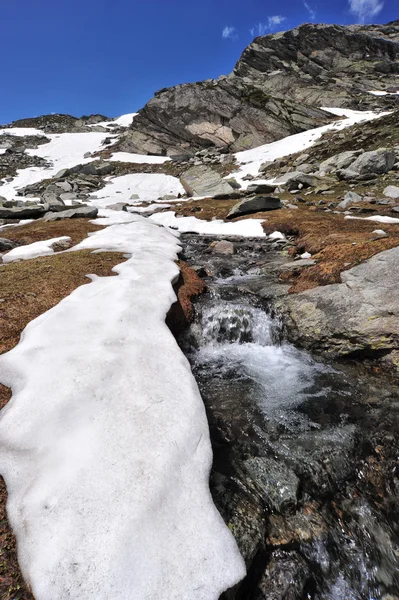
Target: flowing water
(304, 468)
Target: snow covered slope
(251, 160)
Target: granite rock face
(358, 316)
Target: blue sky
(109, 56)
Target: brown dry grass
(28, 289)
(189, 286)
(76, 229)
(336, 243)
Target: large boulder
(359, 315)
(87, 212)
(374, 162)
(34, 211)
(339, 161)
(254, 205)
(204, 181)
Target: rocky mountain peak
(276, 89)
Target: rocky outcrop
(358, 316)
(325, 65)
(275, 90)
(227, 112)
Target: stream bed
(305, 469)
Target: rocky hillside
(275, 90)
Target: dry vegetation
(76, 229)
(336, 243)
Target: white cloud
(263, 28)
(274, 21)
(311, 11)
(229, 32)
(366, 9)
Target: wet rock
(277, 484)
(223, 247)
(87, 212)
(204, 181)
(285, 578)
(254, 205)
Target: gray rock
(6, 245)
(301, 160)
(361, 314)
(349, 199)
(134, 197)
(275, 482)
(377, 161)
(391, 191)
(65, 186)
(339, 161)
(298, 264)
(204, 181)
(223, 247)
(24, 212)
(87, 212)
(234, 183)
(265, 166)
(118, 206)
(254, 205)
(305, 168)
(261, 188)
(297, 180)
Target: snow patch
(42, 248)
(122, 121)
(105, 445)
(129, 157)
(148, 186)
(377, 218)
(246, 228)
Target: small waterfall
(225, 323)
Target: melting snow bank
(105, 445)
(251, 160)
(246, 228)
(42, 248)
